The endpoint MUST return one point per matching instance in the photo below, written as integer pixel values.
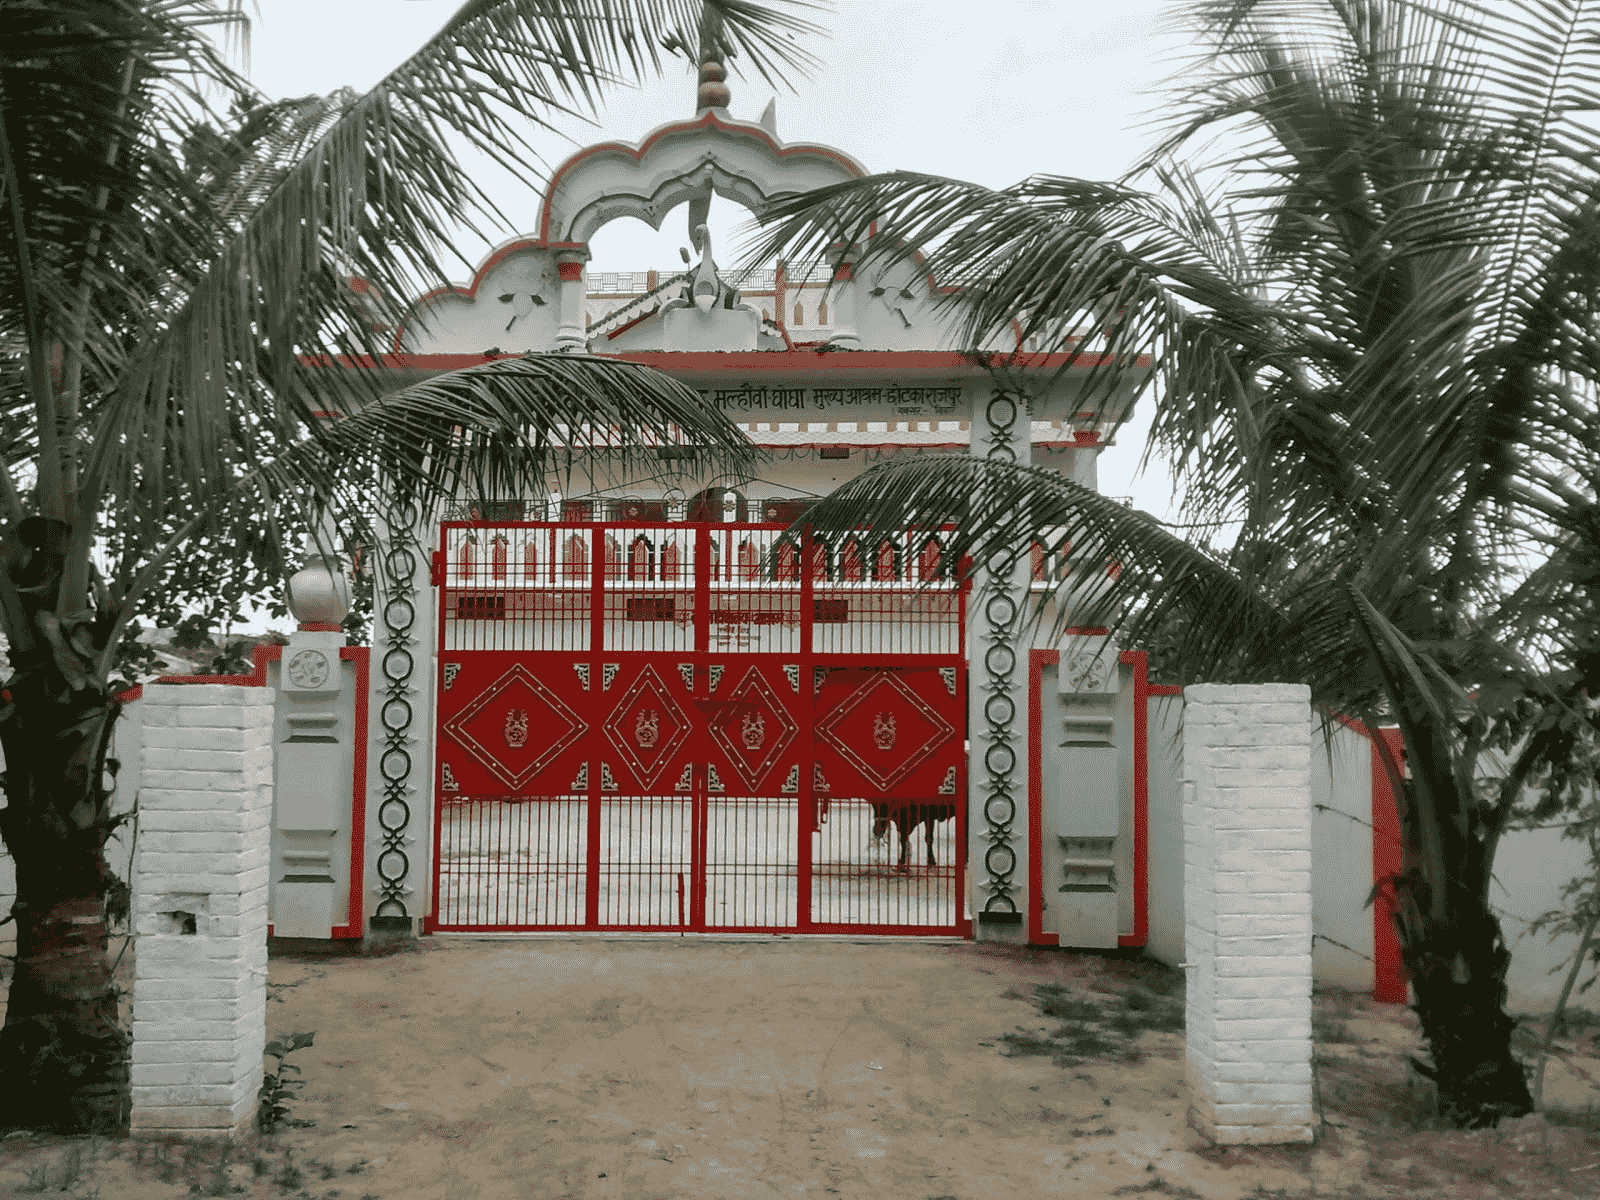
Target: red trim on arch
(1139, 661)
(569, 272)
(708, 121)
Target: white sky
(989, 92)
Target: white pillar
(200, 907)
(572, 335)
(399, 750)
(997, 698)
(1247, 911)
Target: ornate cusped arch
(738, 160)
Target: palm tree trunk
(1458, 970)
(63, 1052)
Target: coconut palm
(1375, 351)
(175, 255)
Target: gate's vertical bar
(805, 715)
(597, 615)
(698, 817)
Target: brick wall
(1247, 911)
(200, 907)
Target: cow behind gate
(907, 815)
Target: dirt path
(591, 1069)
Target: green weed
(272, 1112)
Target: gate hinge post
(436, 568)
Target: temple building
(646, 704)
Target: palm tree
(169, 276)
(1376, 356)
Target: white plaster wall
(1341, 858)
(1531, 868)
(457, 324)
(1164, 813)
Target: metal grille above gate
(678, 727)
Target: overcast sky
(989, 92)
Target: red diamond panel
(647, 727)
(752, 725)
(883, 728)
(516, 727)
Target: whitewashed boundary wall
(1531, 867)
(200, 908)
(1247, 911)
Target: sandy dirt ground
(670, 1069)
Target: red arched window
(799, 315)
(785, 563)
(575, 558)
(499, 556)
(465, 560)
(850, 563)
(749, 561)
(669, 561)
(639, 555)
(884, 567)
(613, 558)
(928, 560)
(822, 313)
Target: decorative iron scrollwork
(999, 665)
(398, 567)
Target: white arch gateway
(620, 707)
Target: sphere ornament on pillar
(319, 592)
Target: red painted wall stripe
(1389, 983)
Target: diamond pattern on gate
(885, 730)
(647, 726)
(516, 701)
(755, 728)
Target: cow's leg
(928, 827)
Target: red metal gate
(675, 727)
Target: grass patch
(1068, 1009)
(1097, 1025)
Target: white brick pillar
(200, 906)
(1247, 911)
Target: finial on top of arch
(713, 92)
